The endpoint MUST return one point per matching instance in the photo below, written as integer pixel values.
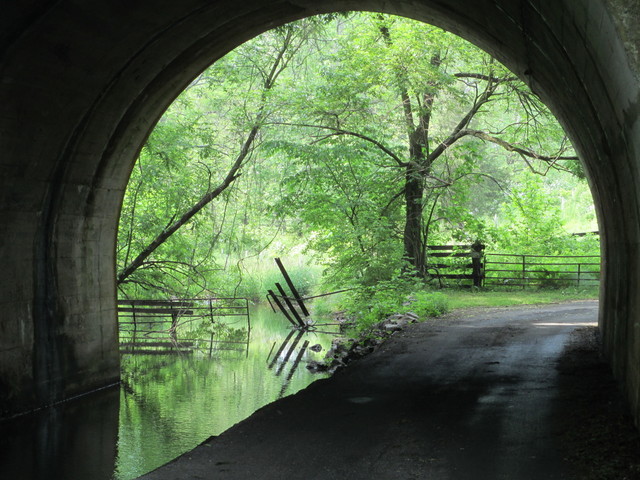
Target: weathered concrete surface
(466, 397)
(82, 83)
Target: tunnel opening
(62, 202)
(175, 131)
(288, 142)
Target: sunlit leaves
(339, 101)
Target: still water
(168, 403)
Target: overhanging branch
(340, 131)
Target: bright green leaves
(330, 111)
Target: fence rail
(183, 325)
(506, 269)
(464, 260)
(469, 265)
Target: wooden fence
(183, 325)
(469, 265)
(554, 271)
(461, 263)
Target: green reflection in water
(172, 403)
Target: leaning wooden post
(281, 307)
(292, 287)
(292, 309)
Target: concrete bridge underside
(82, 83)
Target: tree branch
(551, 160)
(482, 76)
(457, 134)
(341, 131)
(232, 175)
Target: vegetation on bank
(366, 308)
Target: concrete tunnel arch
(82, 84)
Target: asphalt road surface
(470, 396)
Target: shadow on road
(590, 414)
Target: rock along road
(469, 396)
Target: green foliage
(532, 223)
(530, 217)
(402, 294)
(552, 279)
(188, 154)
(500, 297)
(348, 131)
(259, 277)
(428, 304)
(327, 175)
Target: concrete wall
(82, 83)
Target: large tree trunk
(416, 171)
(413, 242)
(419, 165)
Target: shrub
(402, 295)
(428, 304)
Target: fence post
(212, 329)
(477, 252)
(135, 329)
(524, 272)
(579, 265)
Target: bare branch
(340, 131)
(482, 76)
(525, 154)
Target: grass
(368, 311)
(501, 298)
(432, 304)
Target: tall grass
(259, 276)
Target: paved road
(471, 396)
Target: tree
(227, 105)
(364, 143)
(422, 99)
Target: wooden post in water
(281, 307)
(292, 287)
(292, 309)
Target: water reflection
(184, 326)
(73, 440)
(171, 403)
(282, 358)
(168, 403)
